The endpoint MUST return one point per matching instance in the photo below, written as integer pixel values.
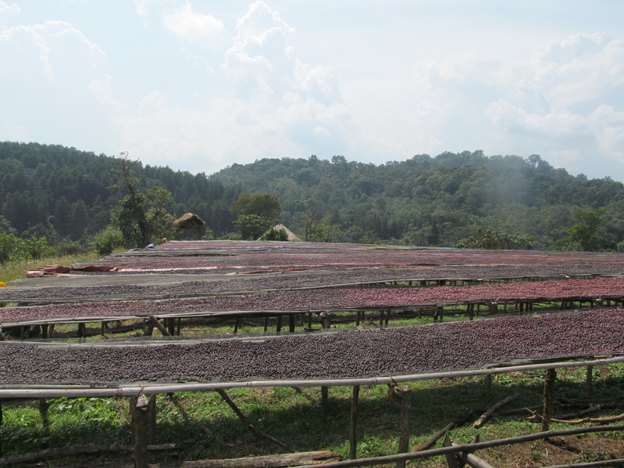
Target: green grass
(210, 430)
(15, 270)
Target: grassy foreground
(11, 271)
(209, 430)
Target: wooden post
(588, 380)
(0, 428)
(171, 326)
(381, 318)
(179, 327)
(324, 398)
(44, 331)
(357, 318)
(291, 323)
(140, 430)
(387, 318)
(279, 324)
(45, 418)
(151, 409)
(236, 324)
(148, 327)
(50, 330)
(488, 386)
(266, 323)
(451, 459)
(102, 328)
(353, 432)
(470, 308)
(82, 330)
(310, 320)
(401, 397)
(549, 384)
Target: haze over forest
(61, 192)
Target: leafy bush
(13, 248)
(493, 240)
(275, 235)
(108, 240)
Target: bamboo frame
(72, 391)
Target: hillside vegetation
(62, 193)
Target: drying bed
(334, 299)
(340, 355)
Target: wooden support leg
(82, 330)
(237, 324)
(266, 323)
(401, 397)
(291, 323)
(324, 398)
(588, 380)
(441, 314)
(50, 331)
(140, 430)
(357, 318)
(353, 431)
(381, 318)
(102, 328)
(45, 417)
(151, 409)
(171, 326)
(387, 318)
(310, 320)
(549, 384)
(148, 327)
(470, 308)
(279, 324)
(44, 331)
(0, 428)
(179, 326)
(326, 320)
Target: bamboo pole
(353, 431)
(470, 447)
(55, 391)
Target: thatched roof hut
(189, 222)
(292, 237)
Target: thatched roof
(292, 237)
(188, 221)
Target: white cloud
(54, 84)
(192, 26)
(567, 100)
(6, 11)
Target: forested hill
(58, 191)
(435, 200)
(62, 192)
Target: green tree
(259, 204)
(493, 240)
(141, 217)
(586, 234)
(252, 226)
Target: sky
(200, 85)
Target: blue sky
(200, 85)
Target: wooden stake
(237, 324)
(549, 384)
(324, 398)
(588, 380)
(159, 325)
(485, 416)
(1, 417)
(353, 432)
(451, 458)
(401, 397)
(246, 422)
(44, 331)
(140, 430)
(151, 409)
(278, 328)
(291, 323)
(43, 411)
